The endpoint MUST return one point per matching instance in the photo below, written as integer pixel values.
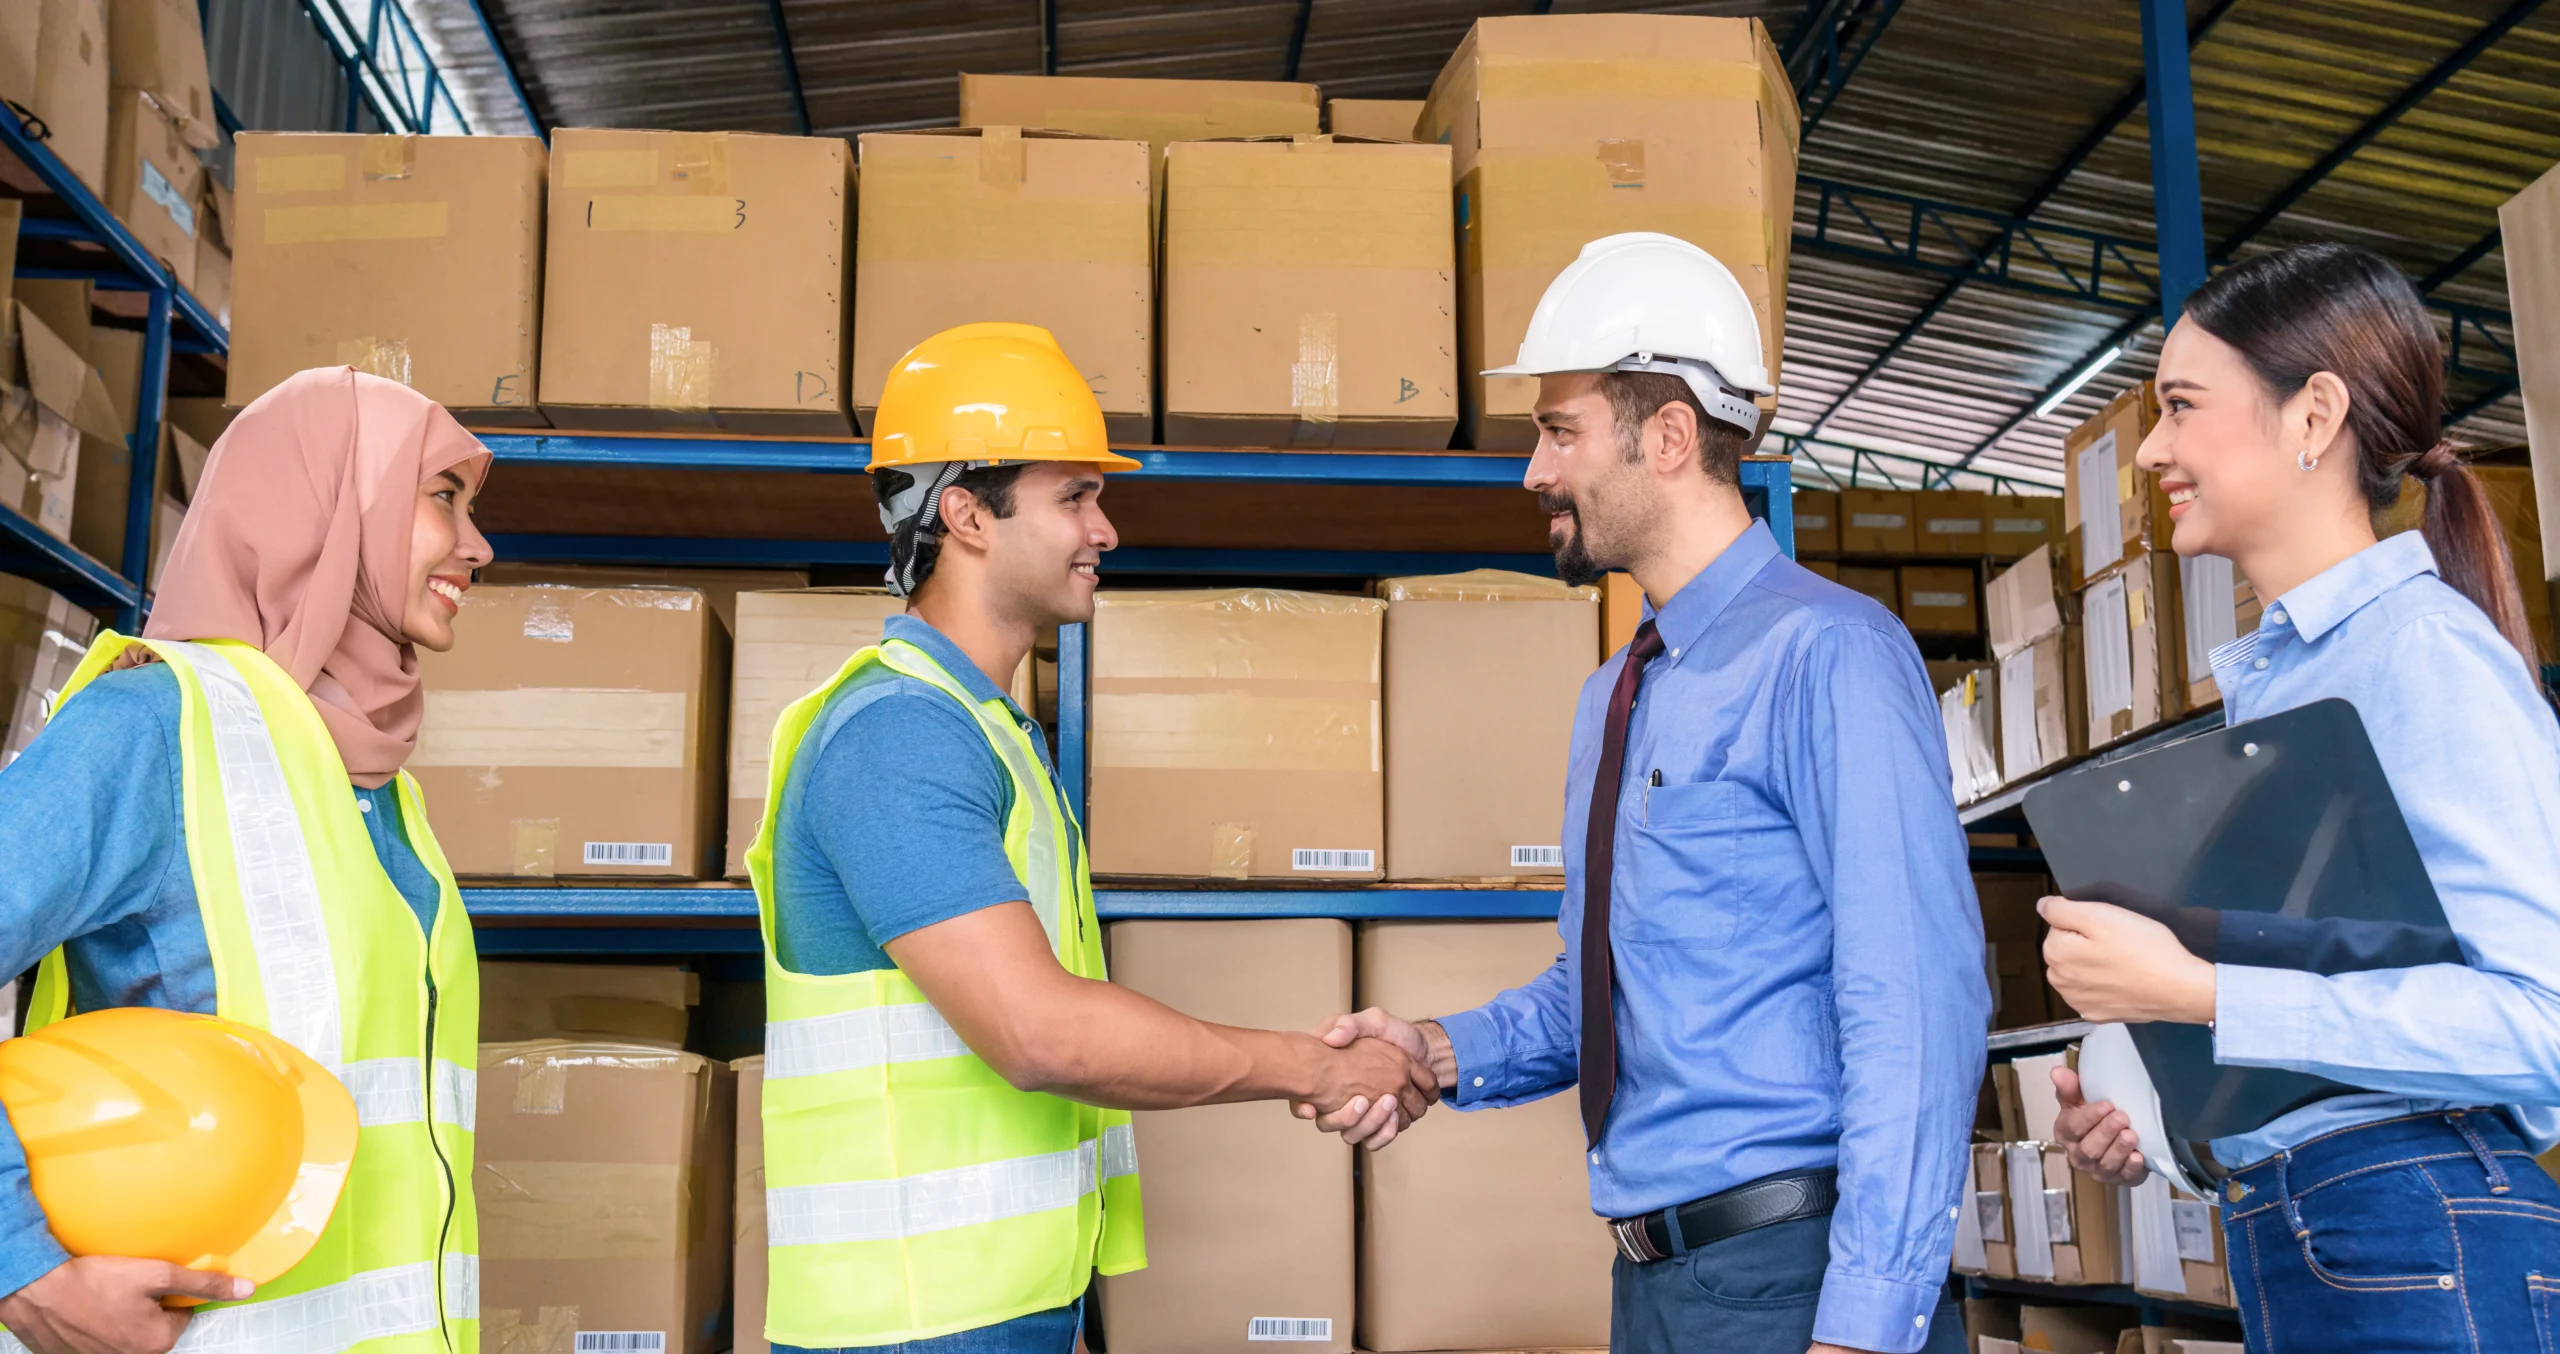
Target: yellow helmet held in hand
(989, 394)
(171, 1136)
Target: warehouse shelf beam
(90, 223)
(1824, 49)
(704, 910)
(750, 552)
(1804, 447)
(2155, 1311)
(2054, 181)
(1298, 38)
(507, 67)
(2177, 184)
(2461, 263)
(2010, 797)
(790, 64)
(388, 66)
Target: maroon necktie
(1599, 1075)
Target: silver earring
(2302, 461)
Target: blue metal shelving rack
(715, 919)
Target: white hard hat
(1648, 302)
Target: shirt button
(2260, 665)
(1595, 1158)
(1675, 653)
(364, 806)
(1920, 1322)
(1479, 1081)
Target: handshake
(1384, 1073)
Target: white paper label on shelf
(1304, 1328)
(1939, 599)
(1313, 860)
(1813, 521)
(1537, 857)
(2205, 587)
(2196, 1225)
(620, 1342)
(1991, 1214)
(2017, 526)
(2107, 623)
(2026, 1211)
(1877, 521)
(2155, 1239)
(1954, 526)
(2019, 754)
(2101, 529)
(2057, 1217)
(660, 854)
(156, 186)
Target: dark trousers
(1748, 1294)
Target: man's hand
(106, 1304)
(1375, 1125)
(1372, 1089)
(2098, 1138)
(2112, 964)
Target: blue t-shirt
(893, 816)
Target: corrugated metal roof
(1970, 102)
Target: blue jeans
(1748, 1294)
(1049, 1332)
(2410, 1236)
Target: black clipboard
(2274, 844)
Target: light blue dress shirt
(2473, 755)
(1799, 952)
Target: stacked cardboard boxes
(55, 414)
(649, 1004)
(1378, 119)
(1058, 236)
(1817, 515)
(54, 63)
(1923, 523)
(155, 183)
(1567, 129)
(1969, 711)
(2035, 642)
(42, 639)
(1309, 294)
(2531, 219)
(788, 645)
(1158, 112)
(749, 1270)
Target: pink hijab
(298, 542)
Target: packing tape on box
(649, 214)
(343, 221)
(1315, 378)
(1230, 850)
(386, 358)
(390, 157)
(553, 1330)
(949, 224)
(1616, 78)
(1000, 158)
(633, 168)
(556, 727)
(702, 162)
(541, 1067)
(618, 1018)
(1623, 162)
(1232, 730)
(1548, 212)
(1348, 210)
(581, 1210)
(299, 173)
(1484, 585)
(680, 366)
(536, 846)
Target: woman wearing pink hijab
(215, 821)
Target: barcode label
(628, 853)
(2017, 526)
(621, 1342)
(1537, 857)
(1941, 599)
(1329, 862)
(1813, 521)
(1954, 526)
(1877, 521)
(1291, 1327)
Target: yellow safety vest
(909, 1191)
(311, 941)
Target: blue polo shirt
(893, 816)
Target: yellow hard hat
(170, 1136)
(989, 392)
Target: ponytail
(2348, 311)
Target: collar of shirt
(2342, 589)
(914, 630)
(1702, 599)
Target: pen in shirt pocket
(1651, 783)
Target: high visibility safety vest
(311, 940)
(910, 1191)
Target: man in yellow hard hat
(947, 1073)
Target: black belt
(1764, 1202)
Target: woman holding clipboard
(2298, 394)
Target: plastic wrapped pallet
(1235, 735)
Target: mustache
(1550, 502)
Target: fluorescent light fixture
(2105, 360)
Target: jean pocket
(2378, 1230)
(2542, 1294)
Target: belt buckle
(1633, 1243)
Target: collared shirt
(893, 816)
(2472, 753)
(1799, 977)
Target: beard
(1573, 557)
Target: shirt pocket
(1680, 867)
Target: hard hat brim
(1110, 461)
(1523, 369)
(329, 1128)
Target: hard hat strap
(1722, 405)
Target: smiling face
(444, 548)
(1046, 558)
(1600, 508)
(2225, 451)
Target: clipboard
(2272, 844)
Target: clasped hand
(1374, 1121)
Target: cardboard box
(1235, 735)
(154, 180)
(1817, 522)
(2112, 508)
(2014, 934)
(2073, 1330)
(2026, 602)
(789, 644)
(415, 258)
(1991, 1209)
(63, 404)
(157, 47)
(1878, 522)
(2087, 1247)
(2209, 617)
(576, 731)
(1249, 1215)
(1995, 1317)
(1530, 1267)
(1385, 119)
(2014, 525)
(1937, 599)
(750, 1267)
(603, 1182)
(648, 1004)
(1058, 237)
(1567, 128)
(2042, 719)
(1158, 112)
(213, 249)
(1621, 611)
(721, 587)
(697, 280)
(1309, 294)
(1483, 673)
(1968, 1256)
(2511, 497)
(2531, 221)
(1969, 711)
(2134, 647)
(54, 63)
(43, 637)
(2177, 1246)
(1880, 584)
(1951, 522)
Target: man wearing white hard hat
(1771, 993)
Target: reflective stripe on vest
(883, 1210)
(849, 1041)
(393, 1090)
(331, 1320)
